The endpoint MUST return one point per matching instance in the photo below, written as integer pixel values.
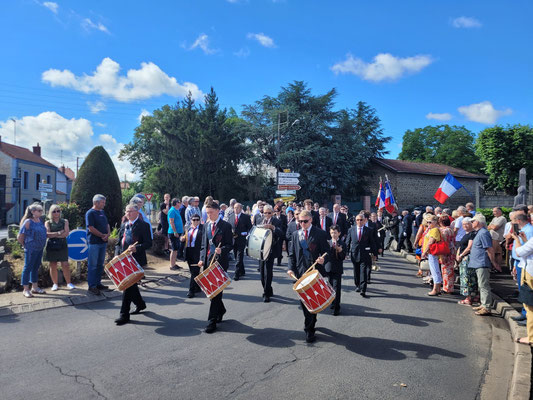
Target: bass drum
(259, 243)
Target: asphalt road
(398, 343)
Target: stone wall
(488, 201)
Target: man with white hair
(470, 208)
(229, 213)
(97, 234)
(138, 200)
(481, 259)
(192, 208)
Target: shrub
(98, 175)
(158, 244)
(72, 212)
(487, 213)
(14, 248)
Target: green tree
(97, 175)
(504, 151)
(442, 144)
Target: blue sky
(416, 62)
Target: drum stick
(312, 267)
(214, 256)
(128, 251)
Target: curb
(89, 298)
(520, 386)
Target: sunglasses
(359, 219)
(195, 219)
(303, 221)
(55, 211)
(267, 212)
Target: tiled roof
(22, 153)
(413, 167)
(68, 172)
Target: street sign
(148, 196)
(286, 192)
(44, 196)
(289, 187)
(78, 249)
(45, 187)
(288, 174)
(16, 182)
(285, 198)
(288, 181)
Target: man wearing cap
(481, 259)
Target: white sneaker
(54, 287)
(70, 286)
(27, 293)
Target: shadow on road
(361, 311)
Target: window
(24, 206)
(26, 177)
(48, 179)
(37, 181)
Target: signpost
(288, 184)
(46, 187)
(44, 196)
(78, 248)
(288, 174)
(148, 196)
(286, 192)
(288, 181)
(285, 199)
(289, 187)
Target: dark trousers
(335, 280)
(309, 320)
(266, 268)
(361, 274)
(393, 236)
(193, 286)
(238, 248)
(181, 249)
(131, 294)
(216, 308)
(405, 240)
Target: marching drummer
(334, 268)
(305, 248)
(193, 244)
(134, 237)
(217, 241)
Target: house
(22, 174)
(64, 180)
(415, 183)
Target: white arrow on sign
(288, 181)
(84, 245)
(288, 174)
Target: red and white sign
(289, 187)
(149, 196)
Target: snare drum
(314, 291)
(124, 271)
(213, 280)
(259, 243)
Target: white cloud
(439, 117)
(100, 124)
(483, 112)
(53, 133)
(466, 22)
(54, 7)
(144, 113)
(202, 42)
(89, 25)
(263, 39)
(385, 66)
(96, 106)
(137, 84)
(242, 53)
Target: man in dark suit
(334, 267)
(307, 246)
(242, 224)
(394, 228)
(266, 268)
(405, 232)
(134, 236)
(280, 216)
(292, 227)
(374, 223)
(361, 244)
(339, 218)
(324, 222)
(193, 245)
(217, 240)
(308, 206)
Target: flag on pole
(380, 200)
(447, 188)
(390, 203)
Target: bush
(98, 175)
(14, 248)
(72, 213)
(158, 244)
(487, 213)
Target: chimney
(37, 150)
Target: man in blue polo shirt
(97, 234)
(175, 229)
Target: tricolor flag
(380, 200)
(449, 186)
(390, 203)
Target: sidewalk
(16, 303)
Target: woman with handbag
(447, 261)
(525, 252)
(56, 249)
(433, 237)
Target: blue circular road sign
(78, 248)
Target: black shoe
(310, 337)
(236, 277)
(190, 295)
(138, 309)
(94, 290)
(123, 319)
(357, 289)
(211, 327)
(363, 294)
(522, 323)
(266, 299)
(337, 311)
(279, 263)
(102, 287)
(219, 318)
(332, 307)
(519, 318)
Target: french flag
(380, 200)
(449, 186)
(390, 203)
